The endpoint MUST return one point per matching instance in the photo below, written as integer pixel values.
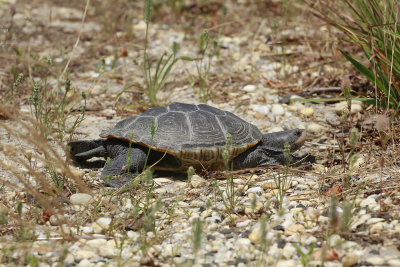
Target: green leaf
(187, 58)
(364, 70)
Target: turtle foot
(119, 180)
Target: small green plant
(59, 180)
(206, 52)
(190, 172)
(12, 91)
(230, 196)
(197, 230)
(305, 257)
(155, 81)
(51, 111)
(347, 217)
(283, 180)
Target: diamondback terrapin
(182, 135)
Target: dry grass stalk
(17, 179)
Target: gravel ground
(240, 218)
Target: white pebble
(356, 107)
(375, 260)
(277, 109)
(394, 262)
(263, 109)
(80, 199)
(57, 220)
(196, 181)
(368, 202)
(243, 224)
(96, 243)
(314, 128)
(287, 263)
(104, 223)
(84, 254)
(377, 228)
(276, 129)
(255, 190)
(249, 88)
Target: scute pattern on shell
(187, 129)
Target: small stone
(286, 263)
(84, 254)
(314, 128)
(356, 107)
(349, 259)
(97, 243)
(108, 251)
(256, 234)
(80, 199)
(308, 111)
(359, 163)
(276, 129)
(57, 220)
(66, 229)
(310, 240)
(259, 116)
(394, 262)
(269, 185)
(375, 260)
(295, 106)
(243, 224)
(289, 250)
(277, 109)
(370, 179)
(332, 119)
(312, 213)
(293, 229)
(255, 190)
(377, 228)
(85, 263)
(197, 181)
(249, 88)
(69, 259)
(243, 243)
(368, 202)
(104, 223)
(162, 180)
(87, 229)
(140, 26)
(127, 204)
(263, 109)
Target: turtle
(175, 137)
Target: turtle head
(276, 141)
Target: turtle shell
(193, 133)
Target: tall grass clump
(156, 80)
(373, 26)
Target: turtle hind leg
(81, 146)
(82, 150)
(124, 167)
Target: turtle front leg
(124, 166)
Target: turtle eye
(298, 132)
